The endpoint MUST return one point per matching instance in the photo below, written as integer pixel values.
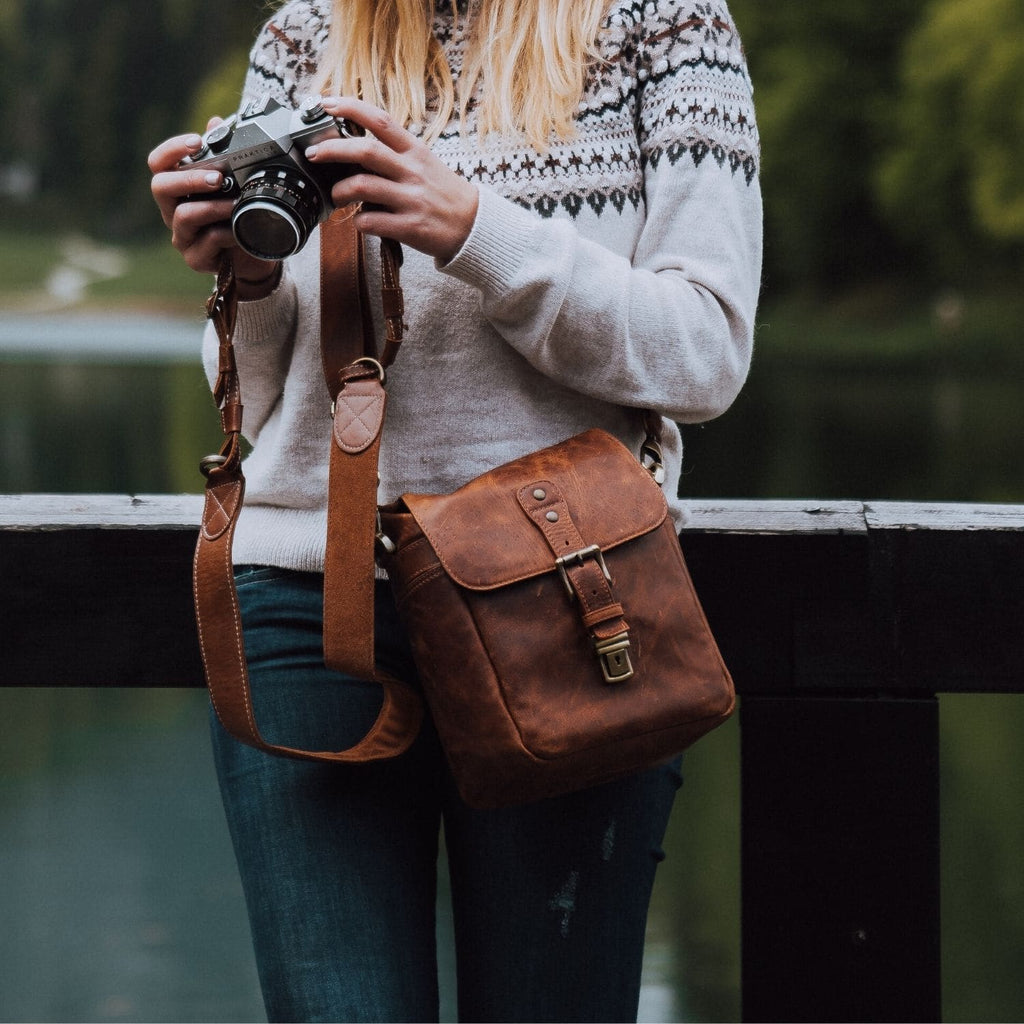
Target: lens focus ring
(275, 213)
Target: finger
(194, 220)
(177, 184)
(203, 251)
(172, 151)
(170, 188)
(367, 153)
(199, 214)
(368, 189)
(381, 223)
(372, 119)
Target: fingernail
(213, 178)
(311, 152)
(193, 141)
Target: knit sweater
(614, 273)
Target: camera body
(279, 196)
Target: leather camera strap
(355, 379)
(352, 389)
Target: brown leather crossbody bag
(555, 627)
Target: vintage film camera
(280, 196)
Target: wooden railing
(841, 623)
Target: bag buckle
(576, 558)
(613, 654)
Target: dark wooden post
(840, 859)
(841, 624)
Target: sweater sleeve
(668, 326)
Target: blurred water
(129, 390)
(119, 894)
(109, 336)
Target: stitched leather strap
(346, 327)
(216, 598)
(355, 380)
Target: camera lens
(275, 213)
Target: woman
(575, 185)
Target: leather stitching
(357, 421)
(217, 515)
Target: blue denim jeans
(339, 863)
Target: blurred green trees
(952, 177)
(824, 80)
(893, 135)
(893, 139)
(90, 86)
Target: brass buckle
(373, 364)
(577, 557)
(613, 654)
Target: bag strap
(216, 598)
(355, 380)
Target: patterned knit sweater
(614, 273)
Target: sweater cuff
(270, 317)
(496, 247)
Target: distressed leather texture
(507, 656)
(483, 538)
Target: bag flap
(483, 537)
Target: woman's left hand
(407, 193)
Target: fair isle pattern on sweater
(671, 73)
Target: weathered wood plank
(789, 517)
(767, 517)
(951, 603)
(83, 604)
(99, 511)
(898, 515)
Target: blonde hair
(531, 56)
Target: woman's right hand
(198, 216)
